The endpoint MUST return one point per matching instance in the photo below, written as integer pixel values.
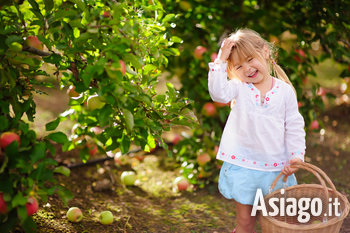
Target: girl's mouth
(253, 75)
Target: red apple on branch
(7, 138)
(314, 124)
(34, 42)
(92, 148)
(198, 52)
(202, 159)
(32, 206)
(3, 204)
(106, 14)
(209, 109)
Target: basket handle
(320, 175)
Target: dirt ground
(154, 205)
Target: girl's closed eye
(250, 59)
(238, 67)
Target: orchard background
(90, 89)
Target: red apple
(198, 52)
(106, 14)
(202, 159)
(213, 56)
(71, 92)
(122, 67)
(314, 125)
(321, 92)
(301, 52)
(7, 138)
(209, 109)
(74, 214)
(34, 42)
(300, 104)
(92, 149)
(32, 206)
(3, 204)
(182, 183)
(176, 139)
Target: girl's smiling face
(251, 70)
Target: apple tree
(110, 54)
(305, 33)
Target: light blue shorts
(241, 183)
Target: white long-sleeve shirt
(262, 136)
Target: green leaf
(65, 195)
(52, 125)
(38, 152)
(129, 119)
(4, 123)
(125, 144)
(49, 4)
(29, 225)
(168, 18)
(18, 200)
(58, 137)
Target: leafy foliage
(112, 54)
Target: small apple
(62, 170)
(7, 138)
(300, 104)
(71, 92)
(95, 102)
(209, 109)
(182, 183)
(92, 148)
(34, 42)
(198, 52)
(32, 206)
(177, 138)
(128, 178)
(106, 14)
(74, 214)
(3, 204)
(106, 217)
(122, 67)
(202, 159)
(213, 56)
(321, 92)
(300, 52)
(314, 125)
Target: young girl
(264, 132)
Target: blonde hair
(249, 43)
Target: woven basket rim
(310, 226)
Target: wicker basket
(316, 224)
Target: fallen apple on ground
(128, 178)
(106, 217)
(182, 183)
(74, 214)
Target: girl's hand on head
(225, 49)
(288, 170)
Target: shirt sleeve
(294, 127)
(220, 89)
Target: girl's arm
(294, 132)
(220, 89)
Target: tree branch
(36, 51)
